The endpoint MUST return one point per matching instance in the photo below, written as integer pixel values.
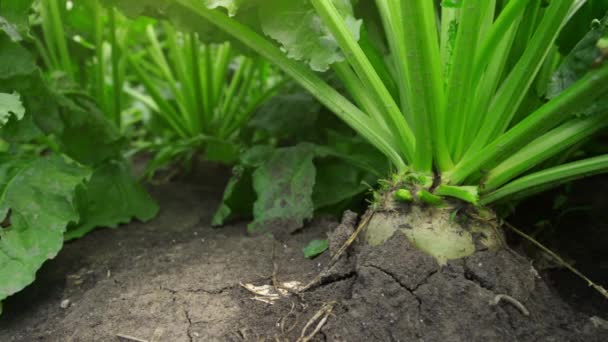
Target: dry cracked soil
(178, 279)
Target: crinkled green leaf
(37, 198)
(315, 248)
(10, 105)
(302, 33)
(112, 197)
(284, 186)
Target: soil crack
(217, 291)
(334, 278)
(390, 274)
(188, 331)
(396, 279)
(411, 291)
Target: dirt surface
(178, 279)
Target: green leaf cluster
(36, 205)
(62, 172)
(287, 185)
(200, 96)
(468, 100)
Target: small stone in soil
(65, 304)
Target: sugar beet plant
(473, 106)
(201, 95)
(62, 169)
(84, 47)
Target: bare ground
(178, 279)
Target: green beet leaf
(83, 120)
(10, 105)
(36, 204)
(284, 186)
(112, 197)
(338, 181)
(15, 60)
(315, 248)
(301, 32)
(238, 197)
(340, 172)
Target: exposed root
(321, 316)
(282, 321)
(512, 301)
(362, 225)
(559, 259)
